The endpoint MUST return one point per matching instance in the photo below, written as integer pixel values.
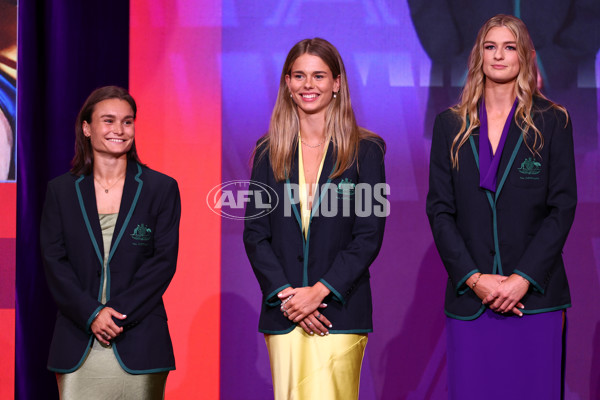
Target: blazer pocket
(528, 173)
(140, 233)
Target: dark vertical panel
(66, 49)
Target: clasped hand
(502, 294)
(302, 306)
(103, 326)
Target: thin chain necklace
(311, 146)
(106, 189)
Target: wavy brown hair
(83, 161)
(526, 87)
(281, 140)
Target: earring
(335, 95)
(291, 96)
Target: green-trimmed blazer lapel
(511, 148)
(513, 142)
(323, 181)
(86, 193)
(293, 179)
(131, 192)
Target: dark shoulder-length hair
(83, 161)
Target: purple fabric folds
(497, 357)
(488, 161)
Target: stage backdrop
(205, 75)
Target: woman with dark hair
(501, 201)
(311, 254)
(109, 238)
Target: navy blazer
(141, 263)
(521, 228)
(340, 244)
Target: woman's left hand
(103, 326)
(508, 295)
(304, 301)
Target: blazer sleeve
(154, 275)
(546, 246)
(257, 239)
(71, 299)
(441, 210)
(367, 232)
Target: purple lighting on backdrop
(397, 84)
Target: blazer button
(99, 273)
(492, 253)
(300, 258)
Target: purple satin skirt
(497, 357)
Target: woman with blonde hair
(501, 201)
(311, 252)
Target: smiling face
(111, 130)
(500, 56)
(311, 84)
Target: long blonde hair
(281, 140)
(526, 87)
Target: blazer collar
(323, 180)
(84, 186)
(511, 147)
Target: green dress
(101, 376)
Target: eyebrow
(508, 42)
(314, 72)
(113, 116)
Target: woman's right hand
(484, 284)
(103, 326)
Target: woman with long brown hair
(311, 253)
(109, 238)
(501, 202)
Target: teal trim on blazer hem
(350, 331)
(76, 367)
(543, 310)
(334, 332)
(463, 280)
(467, 318)
(273, 293)
(138, 371)
(88, 324)
(336, 294)
(267, 332)
(530, 279)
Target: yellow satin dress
(307, 366)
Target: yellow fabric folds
(307, 366)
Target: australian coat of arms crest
(142, 232)
(530, 167)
